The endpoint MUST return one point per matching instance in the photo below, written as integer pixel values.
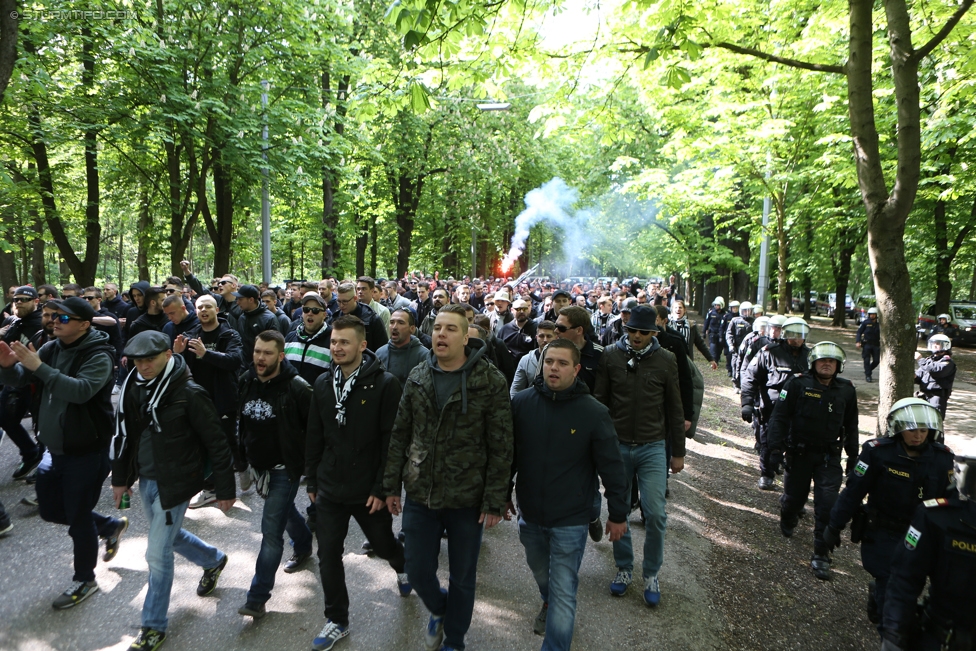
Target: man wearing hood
(404, 351)
(212, 351)
(638, 381)
(275, 402)
(575, 443)
(76, 373)
(166, 432)
(137, 294)
(152, 317)
(348, 438)
(307, 346)
(451, 449)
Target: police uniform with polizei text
(940, 545)
(813, 423)
(895, 484)
(761, 382)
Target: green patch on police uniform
(860, 468)
(911, 538)
(782, 394)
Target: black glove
(831, 537)
(747, 413)
(849, 466)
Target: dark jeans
(423, 527)
(716, 346)
(68, 488)
(4, 518)
(13, 407)
(871, 355)
(332, 520)
(279, 515)
(826, 474)
(877, 548)
(769, 461)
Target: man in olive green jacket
(451, 448)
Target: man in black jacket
(212, 351)
(166, 426)
(376, 333)
(348, 435)
(254, 318)
(152, 317)
(273, 416)
(577, 442)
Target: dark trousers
(716, 346)
(871, 356)
(423, 527)
(13, 407)
(825, 472)
(877, 548)
(769, 461)
(4, 518)
(332, 525)
(68, 488)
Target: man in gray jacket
(404, 350)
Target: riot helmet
(774, 329)
(948, 319)
(964, 471)
(872, 310)
(795, 328)
(828, 350)
(733, 304)
(914, 414)
(718, 300)
(759, 325)
(939, 343)
(744, 308)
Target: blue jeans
(279, 515)
(68, 488)
(166, 536)
(423, 528)
(649, 462)
(554, 555)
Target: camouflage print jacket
(459, 456)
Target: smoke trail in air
(551, 203)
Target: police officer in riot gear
(940, 545)
(755, 340)
(739, 327)
(896, 473)
(769, 371)
(935, 374)
(943, 326)
(815, 419)
(726, 322)
(713, 326)
(868, 339)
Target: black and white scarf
(635, 356)
(683, 328)
(157, 388)
(342, 390)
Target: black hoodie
(562, 440)
(134, 312)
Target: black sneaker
(596, 530)
(78, 592)
(208, 582)
(5, 529)
(401, 536)
(27, 467)
(539, 627)
(873, 615)
(296, 561)
(257, 611)
(786, 528)
(820, 564)
(112, 542)
(367, 548)
(148, 640)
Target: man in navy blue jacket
(552, 464)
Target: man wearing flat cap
(637, 371)
(75, 371)
(254, 319)
(164, 422)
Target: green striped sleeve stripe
(320, 354)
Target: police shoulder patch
(931, 504)
(782, 394)
(860, 468)
(912, 537)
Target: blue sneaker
(434, 633)
(403, 584)
(620, 582)
(329, 635)
(652, 592)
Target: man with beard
(404, 350)
(275, 402)
(376, 334)
(254, 318)
(14, 402)
(307, 346)
(814, 420)
(166, 433)
(212, 351)
(348, 438)
(519, 334)
(152, 317)
(439, 299)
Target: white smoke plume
(552, 203)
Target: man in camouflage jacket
(451, 449)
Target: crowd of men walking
(458, 404)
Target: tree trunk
(330, 175)
(220, 226)
(782, 261)
(842, 277)
(8, 259)
(8, 42)
(362, 243)
(144, 235)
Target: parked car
(797, 304)
(827, 304)
(963, 317)
(861, 307)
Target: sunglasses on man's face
(643, 333)
(170, 290)
(23, 299)
(64, 318)
(561, 328)
(90, 298)
(224, 282)
(312, 310)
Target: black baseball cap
(77, 307)
(248, 291)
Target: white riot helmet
(744, 307)
(718, 300)
(757, 310)
(775, 321)
(964, 471)
(759, 325)
(939, 343)
(828, 350)
(733, 304)
(872, 310)
(795, 328)
(947, 317)
(912, 414)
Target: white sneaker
(116, 389)
(203, 498)
(244, 479)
